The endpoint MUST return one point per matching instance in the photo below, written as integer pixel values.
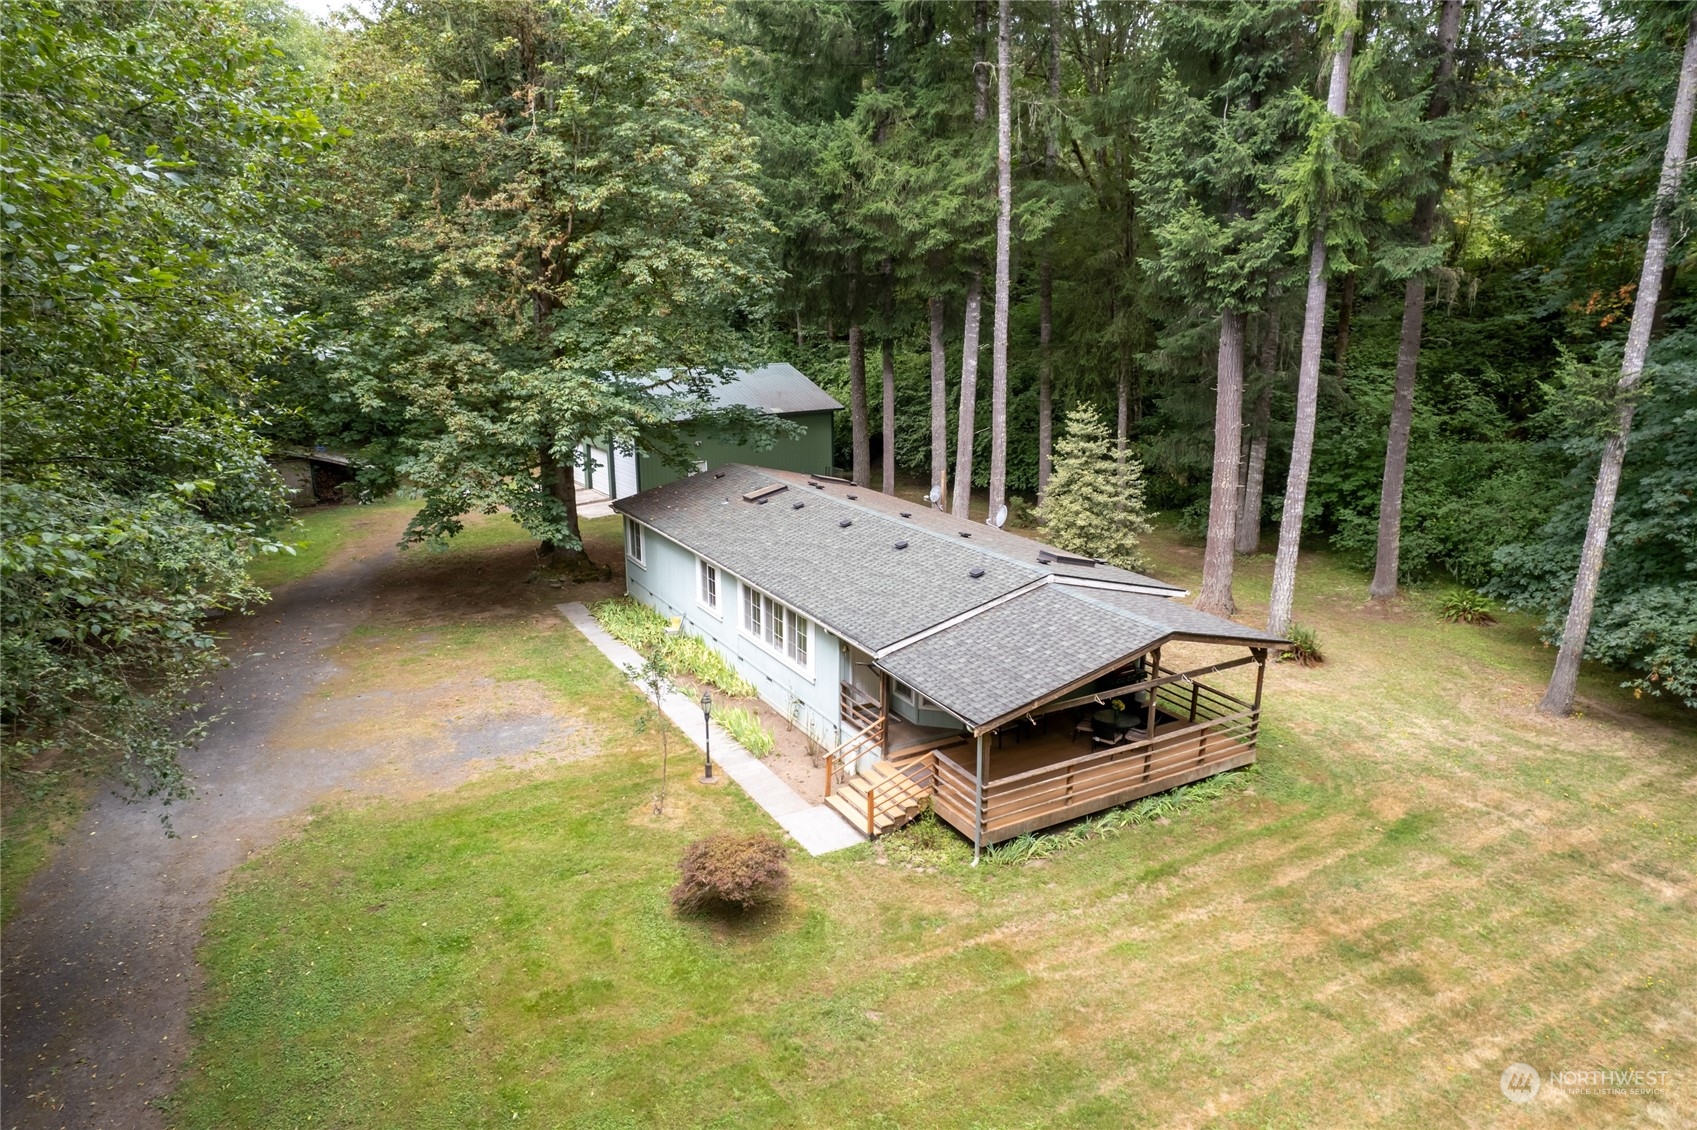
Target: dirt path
(99, 963)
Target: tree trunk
(939, 405)
(557, 480)
(1216, 594)
(1004, 225)
(861, 469)
(1255, 463)
(1308, 371)
(1046, 278)
(1122, 412)
(800, 334)
(967, 424)
(1386, 561)
(1558, 699)
(1045, 378)
(888, 486)
(1346, 314)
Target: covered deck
(1132, 732)
(1060, 765)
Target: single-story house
(779, 389)
(1015, 685)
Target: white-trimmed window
(707, 584)
(909, 697)
(778, 627)
(633, 541)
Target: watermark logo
(1520, 1083)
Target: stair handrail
(899, 788)
(835, 760)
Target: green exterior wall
(810, 454)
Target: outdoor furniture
(1117, 724)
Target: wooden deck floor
(1008, 756)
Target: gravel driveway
(99, 962)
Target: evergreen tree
(1095, 504)
(1232, 108)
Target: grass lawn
(1422, 882)
(322, 530)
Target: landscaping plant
(731, 870)
(1467, 607)
(744, 725)
(1304, 647)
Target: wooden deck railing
(1103, 778)
(954, 793)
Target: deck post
(1154, 673)
(978, 820)
(1260, 654)
(883, 714)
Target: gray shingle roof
(1009, 656)
(1013, 547)
(834, 558)
(1017, 652)
(850, 578)
(779, 388)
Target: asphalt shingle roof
(850, 578)
(1014, 547)
(1017, 652)
(1024, 629)
(779, 388)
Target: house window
(908, 697)
(633, 541)
(707, 584)
(778, 627)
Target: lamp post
(707, 732)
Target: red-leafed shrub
(731, 870)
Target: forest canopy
(1371, 267)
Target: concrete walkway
(814, 826)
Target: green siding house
(779, 389)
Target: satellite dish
(936, 495)
(1000, 518)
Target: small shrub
(731, 870)
(694, 656)
(744, 725)
(927, 844)
(1304, 647)
(1467, 607)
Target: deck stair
(883, 797)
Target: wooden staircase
(883, 797)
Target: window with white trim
(778, 627)
(707, 584)
(909, 697)
(633, 541)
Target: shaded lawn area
(1422, 882)
(321, 531)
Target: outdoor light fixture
(707, 732)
